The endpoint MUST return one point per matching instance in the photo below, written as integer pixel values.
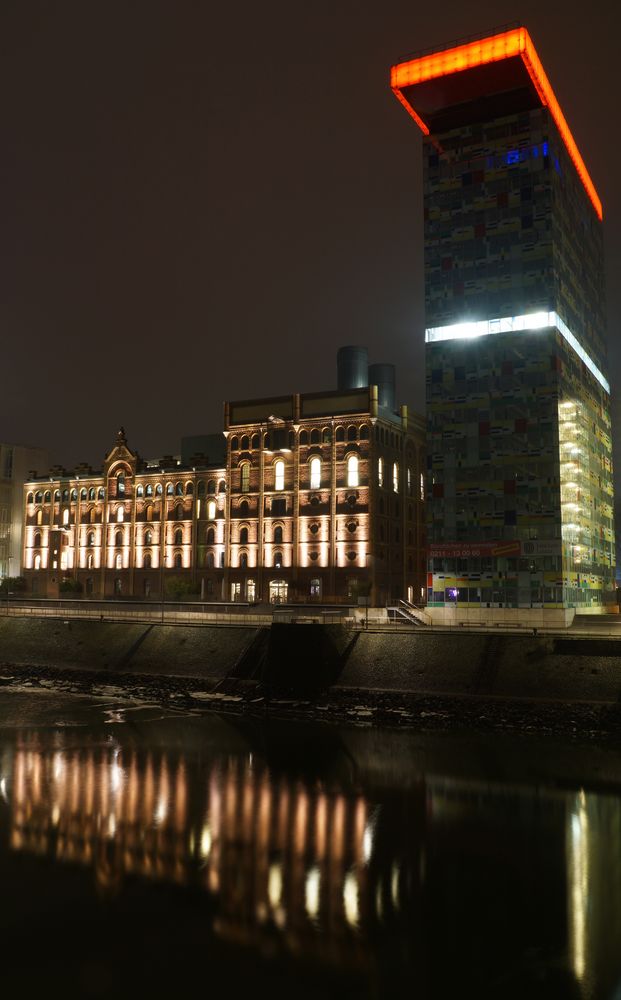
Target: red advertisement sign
(473, 550)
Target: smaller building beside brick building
(315, 497)
(17, 462)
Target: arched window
(146, 562)
(234, 444)
(120, 484)
(65, 496)
(65, 516)
(211, 486)
(91, 493)
(210, 560)
(222, 486)
(39, 517)
(170, 490)
(352, 471)
(243, 536)
(340, 433)
(149, 490)
(352, 433)
(37, 562)
(315, 437)
(148, 537)
(211, 536)
(278, 535)
(74, 496)
(243, 561)
(149, 511)
(120, 514)
(303, 439)
(279, 475)
(380, 472)
(245, 443)
(159, 490)
(140, 491)
(38, 496)
(89, 561)
(47, 498)
(83, 493)
(37, 540)
(118, 562)
(245, 477)
(395, 477)
(326, 437)
(244, 508)
(90, 538)
(256, 441)
(30, 498)
(118, 538)
(278, 560)
(179, 512)
(178, 489)
(118, 586)
(315, 473)
(189, 489)
(178, 537)
(56, 496)
(364, 433)
(101, 493)
(211, 509)
(201, 488)
(177, 561)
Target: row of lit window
(353, 473)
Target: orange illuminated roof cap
(501, 74)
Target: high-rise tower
(518, 402)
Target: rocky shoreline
(592, 721)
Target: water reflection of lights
(578, 873)
(205, 841)
(284, 855)
(274, 885)
(312, 892)
(350, 899)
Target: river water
(144, 853)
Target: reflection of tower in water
(593, 849)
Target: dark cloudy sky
(203, 201)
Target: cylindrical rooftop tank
(383, 376)
(352, 365)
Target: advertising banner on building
(473, 550)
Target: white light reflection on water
(578, 873)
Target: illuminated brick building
(518, 403)
(319, 499)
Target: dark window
(278, 535)
(243, 536)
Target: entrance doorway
(278, 591)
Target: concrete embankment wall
(309, 658)
(122, 647)
(499, 665)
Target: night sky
(201, 202)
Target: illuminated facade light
(513, 44)
(514, 324)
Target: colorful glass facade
(518, 403)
